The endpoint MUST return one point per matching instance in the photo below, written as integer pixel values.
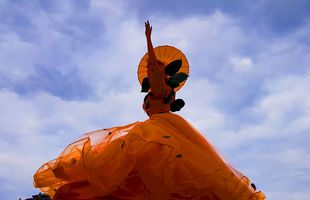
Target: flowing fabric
(161, 158)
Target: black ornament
(176, 79)
(177, 105)
(145, 85)
(253, 186)
(173, 67)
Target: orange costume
(161, 158)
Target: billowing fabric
(161, 158)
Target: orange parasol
(165, 54)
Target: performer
(161, 158)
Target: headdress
(176, 66)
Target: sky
(70, 67)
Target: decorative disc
(165, 54)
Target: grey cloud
(49, 41)
(270, 17)
(71, 18)
(66, 85)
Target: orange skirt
(161, 158)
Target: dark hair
(176, 105)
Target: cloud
(270, 18)
(30, 60)
(279, 140)
(242, 64)
(282, 113)
(289, 195)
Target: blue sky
(69, 67)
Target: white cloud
(293, 156)
(110, 8)
(288, 103)
(242, 64)
(16, 57)
(284, 113)
(300, 195)
(199, 96)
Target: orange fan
(165, 54)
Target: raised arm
(155, 68)
(152, 56)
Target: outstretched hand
(148, 29)
(152, 57)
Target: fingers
(148, 29)
(147, 24)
